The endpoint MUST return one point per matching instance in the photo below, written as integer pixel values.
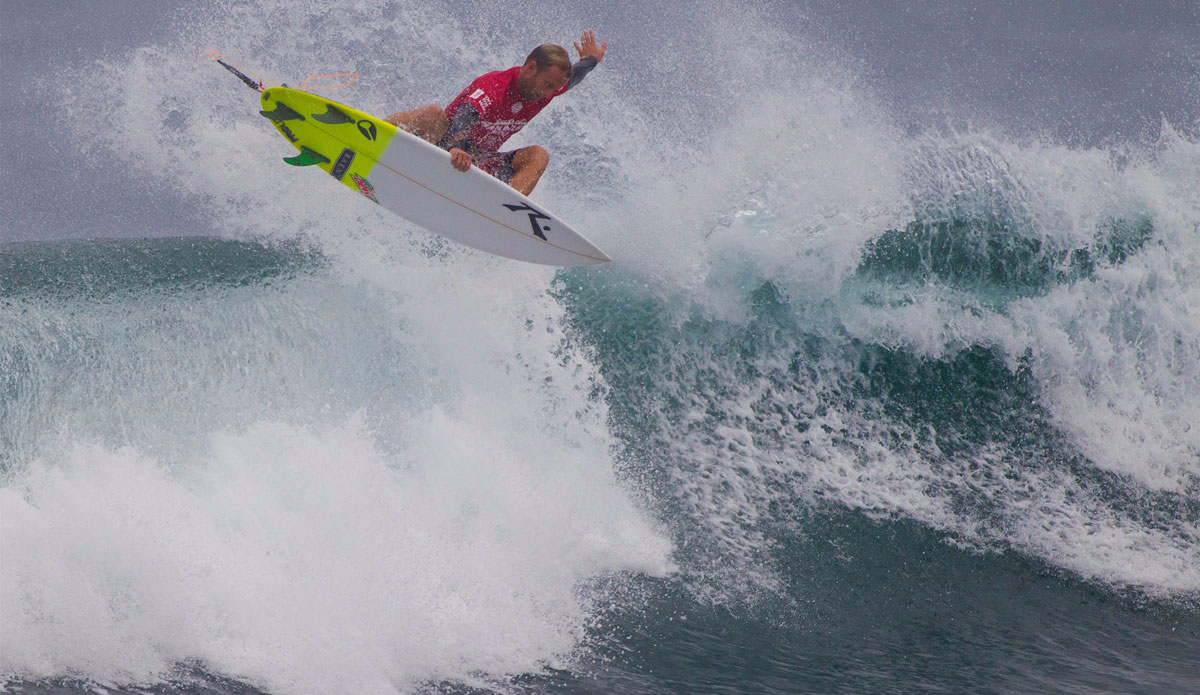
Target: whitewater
(853, 409)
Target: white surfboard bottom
(415, 180)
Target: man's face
(535, 86)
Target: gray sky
(45, 194)
(1086, 72)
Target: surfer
(497, 105)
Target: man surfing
(497, 105)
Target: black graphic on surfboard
(534, 216)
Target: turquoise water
(778, 575)
(855, 410)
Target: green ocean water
(786, 583)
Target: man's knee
(428, 122)
(432, 111)
(536, 157)
(431, 118)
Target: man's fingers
(586, 46)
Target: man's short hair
(551, 55)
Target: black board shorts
(499, 164)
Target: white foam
(307, 561)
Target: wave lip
(998, 256)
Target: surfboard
(414, 179)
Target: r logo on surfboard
(534, 216)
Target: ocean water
(855, 409)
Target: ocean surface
(854, 409)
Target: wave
(979, 226)
(197, 469)
(977, 255)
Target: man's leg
(428, 122)
(529, 163)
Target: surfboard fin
(306, 158)
(332, 116)
(282, 112)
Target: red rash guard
(502, 111)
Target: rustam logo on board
(535, 216)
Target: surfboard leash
(256, 86)
(346, 78)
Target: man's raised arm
(590, 55)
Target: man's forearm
(580, 70)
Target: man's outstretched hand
(589, 47)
